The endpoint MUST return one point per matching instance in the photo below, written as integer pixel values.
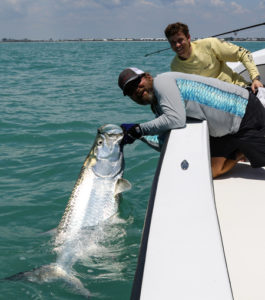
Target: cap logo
(137, 71)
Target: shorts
(250, 138)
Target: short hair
(174, 28)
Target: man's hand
(131, 133)
(256, 83)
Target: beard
(149, 98)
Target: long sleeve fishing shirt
(209, 57)
(181, 95)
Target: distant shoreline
(8, 40)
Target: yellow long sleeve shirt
(208, 58)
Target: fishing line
(232, 31)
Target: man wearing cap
(236, 118)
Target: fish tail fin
(50, 273)
(16, 277)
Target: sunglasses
(132, 86)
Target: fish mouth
(112, 133)
(110, 129)
(108, 151)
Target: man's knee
(217, 164)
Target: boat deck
(240, 200)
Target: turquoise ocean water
(53, 97)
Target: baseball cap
(128, 75)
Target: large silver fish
(94, 199)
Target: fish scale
(103, 201)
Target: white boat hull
(183, 257)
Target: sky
(72, 19)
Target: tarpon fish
(94, 199)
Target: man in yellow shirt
(208, 57)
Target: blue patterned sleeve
(154, 141)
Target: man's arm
(172, 111)
(229, 52)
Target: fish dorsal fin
(122, 185)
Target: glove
(131, 133)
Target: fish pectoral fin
(122, 185)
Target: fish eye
(100, 142)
